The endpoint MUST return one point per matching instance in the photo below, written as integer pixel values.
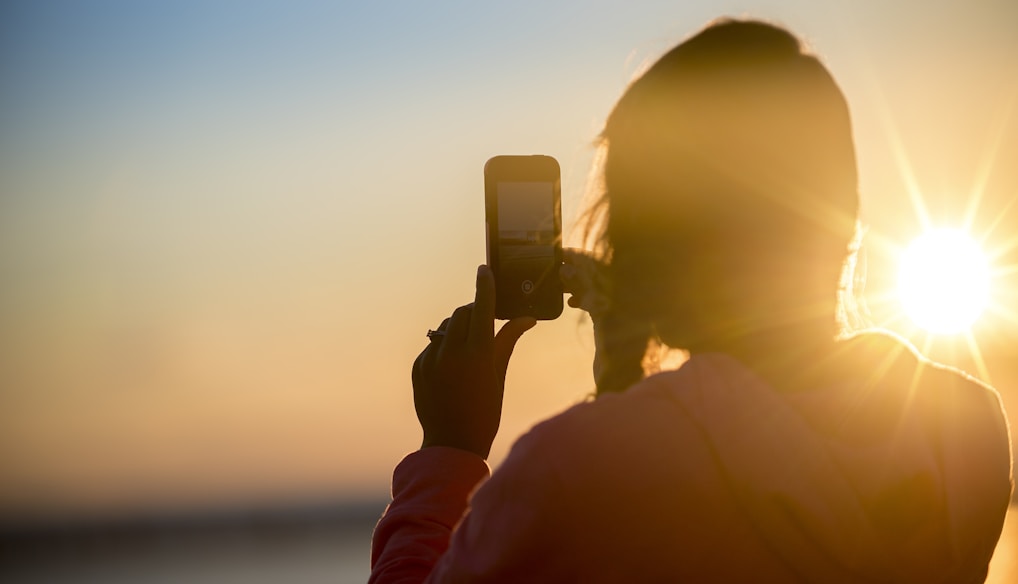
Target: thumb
(505, 342)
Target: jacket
(900, 471)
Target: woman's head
(730, 190)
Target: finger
(578, 271)
(482, 320)
(459, 324)
(578, 257)
(436, 335)
(428, 355)
(416, 373)
(505, 342)
(427, 359)
(567, 274)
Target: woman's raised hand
(583, 277)
(459, 378)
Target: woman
(783, 450)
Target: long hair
(729, 197)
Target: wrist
(480, 449)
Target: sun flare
(944, 281)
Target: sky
(226, 226)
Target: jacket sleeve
(430, 489)
(513, 525)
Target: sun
(944, 281)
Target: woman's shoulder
(636, 430)
(640, 405)
(877, 356)
(656, 405)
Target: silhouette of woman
(784, 449)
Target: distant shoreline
(251, 518)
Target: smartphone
(523, 212)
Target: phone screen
(526, 225)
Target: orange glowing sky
(224, 229)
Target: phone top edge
(510, 159)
